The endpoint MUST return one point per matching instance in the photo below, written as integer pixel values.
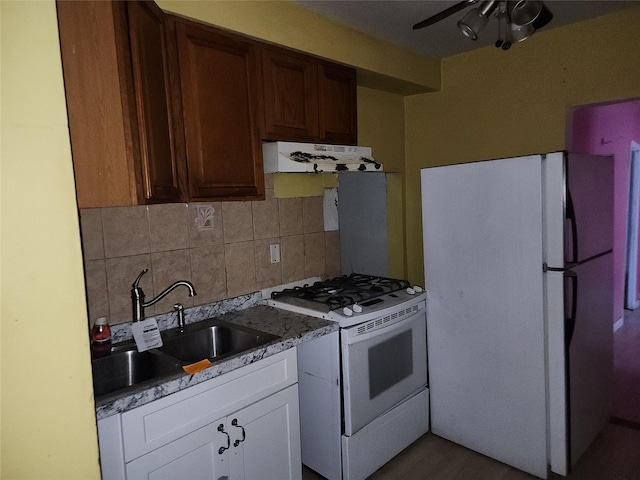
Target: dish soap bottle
(101, 338)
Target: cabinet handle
(222, 449)
(234, 422)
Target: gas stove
(367, 381)
(349, 299)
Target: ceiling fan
(518, 20)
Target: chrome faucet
(137, 295)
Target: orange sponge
(196, 367)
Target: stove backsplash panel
(223, 248)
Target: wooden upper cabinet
(306, 99)
(113, 57)
(100, 143)
(337, 103)
(290, 98)
(167, 109)
(218, 76)
(159, 155)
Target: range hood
(317, 158)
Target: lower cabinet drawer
(151, 426)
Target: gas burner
(343, 291)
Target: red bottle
(101, 338)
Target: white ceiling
(392, 20)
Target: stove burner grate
(343, 291)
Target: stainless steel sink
(212, 339)
(126, 367)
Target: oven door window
(381, 368)
(390, 362)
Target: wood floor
(626, 358)
(614, 455)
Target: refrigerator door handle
(571, 216)
(570, 321)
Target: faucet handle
(137, 281)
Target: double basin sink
(211, 339)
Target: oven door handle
(349, 339)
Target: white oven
(384, 361)
(363, 390)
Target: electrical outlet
(275, 253)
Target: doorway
(631, 292)
(614, 129)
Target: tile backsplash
(223, 248)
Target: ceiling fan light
(543, 19)
(473, 23)
(524, 12)
(518, 33)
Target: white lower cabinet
(242, 425)
(260, 442)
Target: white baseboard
(618, 324)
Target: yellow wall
(381, 126)
(498, 104)
(293, 185)
(48, 417)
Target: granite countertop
(292, 328)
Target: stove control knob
(356, 308)
(347, 311)
(411, 291)
(418, 289)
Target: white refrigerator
(519, 274)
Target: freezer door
(589, 231)
(483, 245)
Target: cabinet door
(158, 154)
(111, 452)
(290, 95)
(337, 104)
(194, 456)
(100, 140)
(218, 74)
(265, 439)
